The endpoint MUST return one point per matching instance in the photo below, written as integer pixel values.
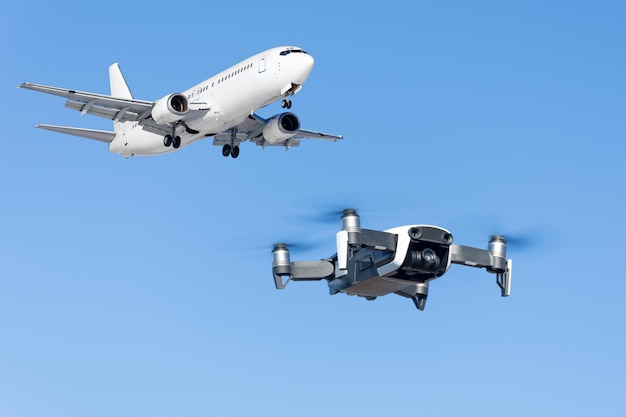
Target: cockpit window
(289, 51)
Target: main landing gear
(230, 150)
(170, 140)
(286, 103)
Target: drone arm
(377, 240)
(480, 258)
(311, 270)
(364, 238)
(466, 255)
(302, 271)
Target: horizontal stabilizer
(99, 135)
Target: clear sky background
(143, 287)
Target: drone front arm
(466, 255)
(493, 261)
(377, 240)
(363, 238)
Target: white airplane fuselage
(230, 96)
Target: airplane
(222, 107)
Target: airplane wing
(99, 135)
(311, 134)
(252, 129)
(112, 108)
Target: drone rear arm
(297, 271)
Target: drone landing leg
(419, 301)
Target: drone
(402, 260)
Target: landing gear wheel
(167, 141)
(234, 152)
(176, 142)
(286, 103)
(226, 150)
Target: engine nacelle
(281, 127)
(170, 109)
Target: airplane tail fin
(119, 89)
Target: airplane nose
(304, 64)
(308, 62)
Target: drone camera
(425, 261)
(428, 253)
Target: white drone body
(402, 260)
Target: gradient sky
(143, 286)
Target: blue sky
(143, 287)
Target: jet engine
(281, 127)
(170, 109)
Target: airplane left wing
(113, 108)
(311, 134)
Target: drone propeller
(330, 215)
(297, 246)
(379, 219)
(521, 241)
(536, 239)
(469, 229)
